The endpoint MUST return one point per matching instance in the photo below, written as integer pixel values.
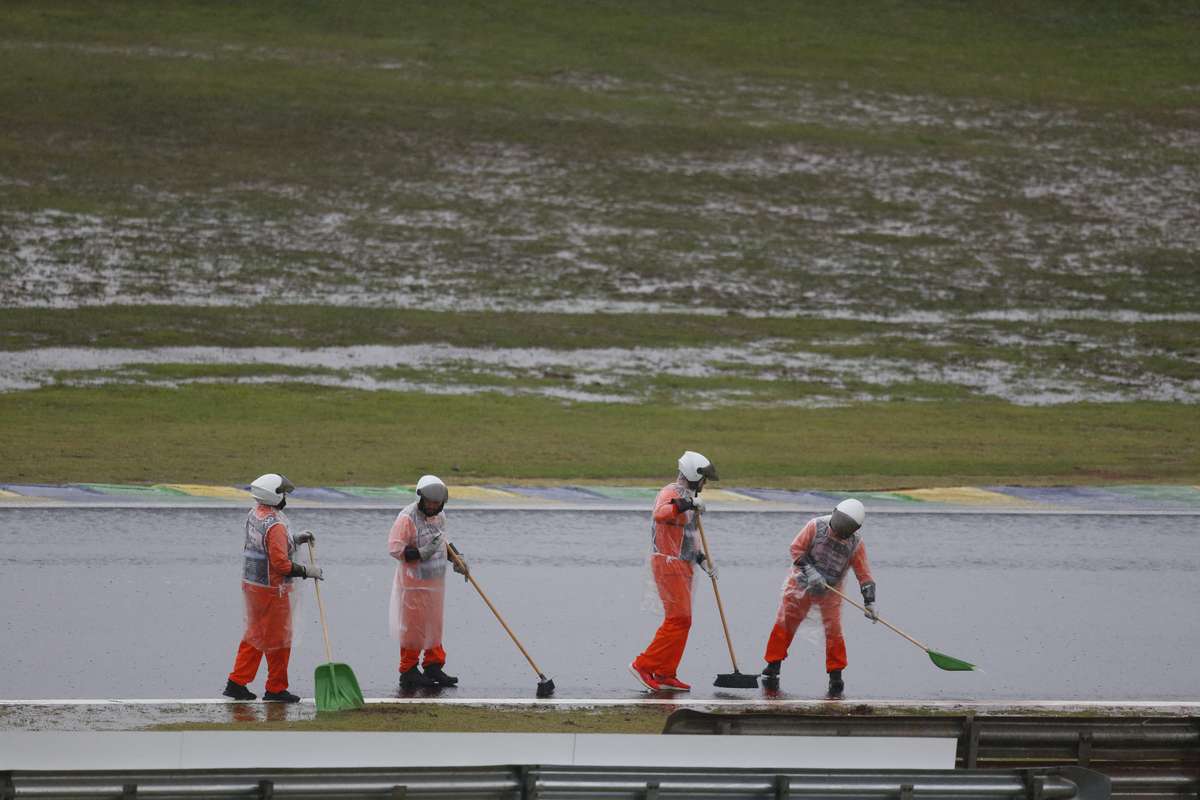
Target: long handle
(717, 592)
(454, 555)
(312, 559)
(838, 592)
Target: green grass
(470, 719)
(458, 719)
(1064, 49)
(331, 326)
(328, 436)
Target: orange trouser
(665, 651)
(245, 666)
(433, 656)
(792, 612)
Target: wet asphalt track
(145, 603)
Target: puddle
(604, 375)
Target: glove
(431, 549)
(682, 504)
(460, 566)
(710, 569)
(411, 554)
(814, 581)
(306, 537)
(316, 573)
(868, 593)
(698, 506)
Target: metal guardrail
(548, 783)
(1145, 757)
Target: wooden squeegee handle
(456, 557)
(717, 593)
(312, 559)
(863, 609)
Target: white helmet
(694, 466)
(847, 517)
(431, 488)
(270, 489)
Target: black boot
(281, 697)
(772, 669)
(238, 692)
(435, 673)
(836, 686)
(413, 679)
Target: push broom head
(545, 687)
(949, 663)
(736, 680)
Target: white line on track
(1051, 705)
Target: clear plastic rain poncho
(674, 548)
(270, 600)
(806, 612)
(419, 589)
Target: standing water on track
(146, 603)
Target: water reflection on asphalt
(145, 603)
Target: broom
(735, 679)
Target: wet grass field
(558, 228)
(880, 159)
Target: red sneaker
(644, 677)
(669, 683)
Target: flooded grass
(778, 209)
(705, 361)
(446, 160)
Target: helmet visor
(435, 493)
(285, 486)
(843, 524)
(708, 471)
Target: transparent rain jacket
(419, 589)
(674, 547)
(266, 588)
(817, 545)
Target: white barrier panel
(285, 750)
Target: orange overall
(796, 601)
(671, 563)
(268, 608)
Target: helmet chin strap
(282, 502)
